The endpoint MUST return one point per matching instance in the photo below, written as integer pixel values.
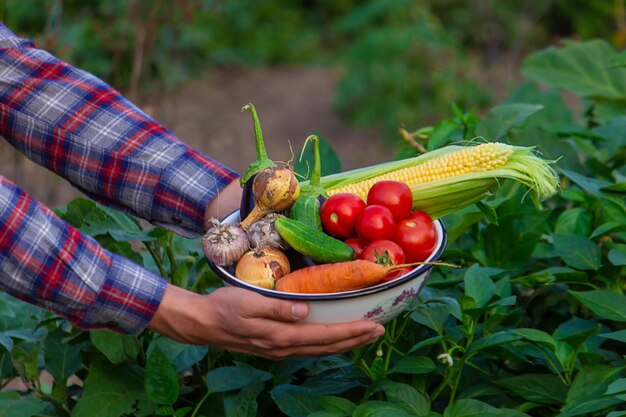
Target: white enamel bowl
(380, 302)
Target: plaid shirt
(82, 129)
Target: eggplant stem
(262, 161)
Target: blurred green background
(351, 71)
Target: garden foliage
(532, 324)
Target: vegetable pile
(359, 228)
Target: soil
(292, 103)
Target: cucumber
(312, 243)
(307, 210)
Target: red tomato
(356, 245)
(339, 213)
(395, 195)
(416, 238)
(422, 216)
(383, 251)
(375, 222)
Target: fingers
(258, 306)
(316, 340)
(273, 329)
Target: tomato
(356, 244)
(416, 238)
(339, 213)
(422, 216)
(395, 195)
(375, 222)
(383, 251)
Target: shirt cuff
(185, 188)
(127, 300)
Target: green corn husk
(446, 195)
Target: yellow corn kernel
(474, 159)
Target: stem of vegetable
(312, 187)
(157, 259)
(262, 161)
(202, 400)
(172, 257)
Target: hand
(225, 203)
(240, 320)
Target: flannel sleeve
(47, 262)
(79, 127)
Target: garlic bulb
(224, 244)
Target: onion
(224, 244)
(262, 267)
(275, 189)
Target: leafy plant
(532, 324)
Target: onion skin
(275, 189)
(262, 267)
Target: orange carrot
(335, 277)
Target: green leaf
(12, 404)
(586, 395)
(618, 187)
(406, 397)
(228, 378)
(593, 186)
(116, 347)
(495, 339)
(337, 405)
(244, 404)
(295, 401)
(510, 244)
(380, 409)
(619, 335)
(539, 388)
(616, 387)
(478, 286)
(181, 356)
(576, 221)
(617, 257)
(6, 341)
(608, 227)
(503, 118)
(606, 304)
(62, 358)
(576, 331)
(536, 336)
(425, 343)
(618, 60)
(441, 134)
(413, 365)
(579, 67)
(577, 251)
(110, 391)
(160, 379)
(435, 312)
(475, 408)
(330, 163)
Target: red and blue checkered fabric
(85, 131)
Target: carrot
(335, 277)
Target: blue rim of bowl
(227, 277)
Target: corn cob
(453, 177)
